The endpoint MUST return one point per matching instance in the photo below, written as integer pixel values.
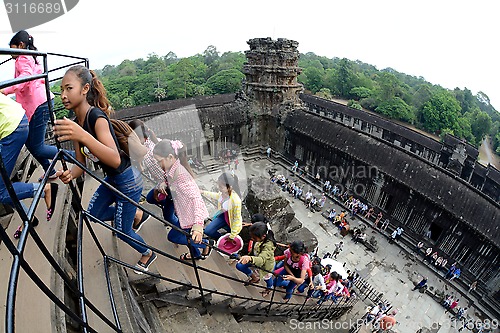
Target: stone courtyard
(393, 270)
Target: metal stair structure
(73, 275)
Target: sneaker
(144, 218)
(144, 267)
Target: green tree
(324, 93)
(462, 129)
(396, 108)
(441, 111)
(389, 86)
(182, 76)
(345, 78)
(313, 79)
(360, 92)
(466, 99)
(480, 125)
(497, 141)
(127, 102)
(170, 58)
(354, 104)
(226, 81)
(160, 93)
(210, 55)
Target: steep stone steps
(95, 283)
(34, 311)
(163, 293)
(208, 280)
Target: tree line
(403, 97)
(387, 92)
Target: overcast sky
(450, 43)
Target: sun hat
(226, 245)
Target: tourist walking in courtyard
(472, 286)
(421, 284)
(338, 248)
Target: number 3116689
(33, 8)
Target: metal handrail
(84, 221)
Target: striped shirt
(188, 203)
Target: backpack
(123, 133)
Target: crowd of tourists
(96, 138)
(286, 267)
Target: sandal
(144, 267)
(18, 231)
(211, 244)
(253, 279)
(51, 177)
(53, 196)
(184, 256)
(265, 292)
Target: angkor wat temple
(425, 186)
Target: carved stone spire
(271, 73)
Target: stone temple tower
(271, 73)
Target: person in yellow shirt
(14, 129)
(228, 216)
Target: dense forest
(387, 92)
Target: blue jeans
(168, 210)
(304, 285)
(122, 212)
(289, 285)
(167, 206)
(315, 293)
(178, 237)
(270, 282)
(244, 268)
(212, 229)
(11, 147)
(36, 138)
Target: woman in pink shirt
(33, 98)
(185, 207)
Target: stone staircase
(223, 288)
(173, 283)
(142, 300)
(34, 311)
